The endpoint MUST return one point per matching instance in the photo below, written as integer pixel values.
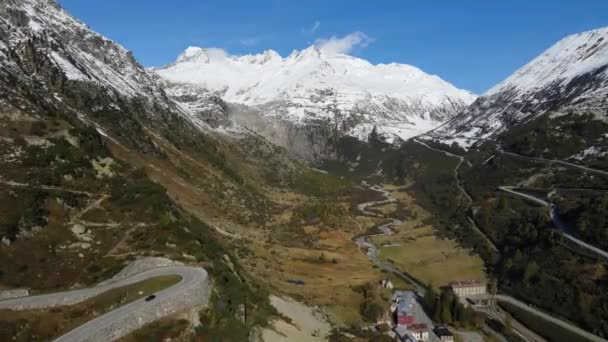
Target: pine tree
(430, 299)
(446, 300)
(531, 270)
(437, 311)
(446, 314)
(467, 316)
(459, 313)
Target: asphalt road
(556, 161)
(547, 317)
(192, 277)
(463, 190)
(519, 329)
(556, 220)
(495, 312)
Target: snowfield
(314, 84)
(572, 56)
(571, 76)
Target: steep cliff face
(342, 94)
(40, 41)
(53, 68)
(571, 76)
(53, 64)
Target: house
(419, 331)
(469, 288)
(387, 284)
(444, 334)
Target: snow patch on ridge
(572, 56)
(314, 84)
(569, 77)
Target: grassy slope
(422, 253)
(133, 216)
(161, 330)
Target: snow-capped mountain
(44, 47)
(71, 47)
(313, 85)
(571, 76)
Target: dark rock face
(52, 64)
(310, 142)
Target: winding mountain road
(463, 190)
(547, 317)
(553, 212)
(495, 312)
(192, 291)
(518, 328)
(555, 161)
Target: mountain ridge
(312, 84)
(570, 76)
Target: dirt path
(46, 187)
(96, 203)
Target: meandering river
(364, 242)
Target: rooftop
(442, 331)
(418, 327)
(405, 300)
(464, 283)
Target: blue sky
(473, 44)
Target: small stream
(364, 242)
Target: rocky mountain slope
(81, 119)
(40, 40)
(569, 77)
(98, 166)
(315, 87)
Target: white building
(387, 284)
(469, 288)
(419, 331)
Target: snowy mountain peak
(310, 52)
(195, 54)
(312, 84)
(572, 56)
(571, 76)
